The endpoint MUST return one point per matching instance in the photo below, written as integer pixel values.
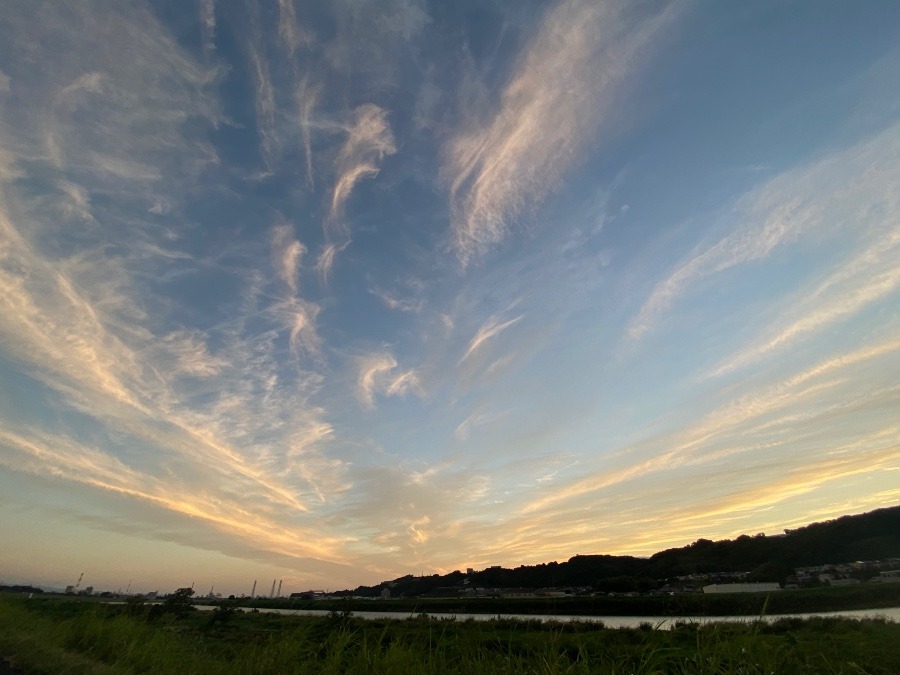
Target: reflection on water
(891, 613)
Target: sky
(335, 292)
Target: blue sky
(337, 292)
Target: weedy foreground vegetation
(51, 636)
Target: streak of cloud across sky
(334, 292)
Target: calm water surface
(891, 613)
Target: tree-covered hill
(869, 536)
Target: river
(890, 613)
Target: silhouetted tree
(177, 603)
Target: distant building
(516, 592)
(886, 577)
(843, 582)
(385, 593)
(763, 587)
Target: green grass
(49, 636)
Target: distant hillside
(869, 536)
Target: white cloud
(369, 139)
(871, 276)
(840, 191)
(306, 97)
(192, 355)
(397, 303)
(325, 261)
(116, 118)
(301, 315)
(264, 99)
(376, 376)
(287, 253)
(402, 383)
(567, 81)
(208, 23)
(76, 203)
(803, 403)
(490, 329)
(290, 32)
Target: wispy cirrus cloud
(400, 303)
(838, 191)
(750, 421)
(201, 420)
(377, 376)
(867, 278)
(306, 97)
(264, 94)
(208, 23)
(291, 34)
(369, 139)
(287, 254)
(567, 81)
(295, 312)
(38, 453)
(489, 330)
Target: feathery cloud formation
(376, 377)
(567, 82)
(849, 188)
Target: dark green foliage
(136, 606)
(222, 614)
(19, 589)
(177, 604)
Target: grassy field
(43, 635)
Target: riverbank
(826, 599)
(658, 622)
(84, 637)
